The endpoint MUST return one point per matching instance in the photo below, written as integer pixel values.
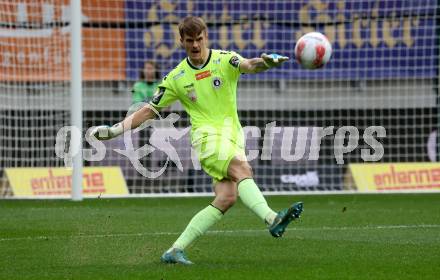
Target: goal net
(304, 127)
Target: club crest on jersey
(202, 75)
(216, 82)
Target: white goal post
(76, 96)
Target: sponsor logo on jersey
(178, 75)
(216, 61)
(234, 61)
(190, 92)
(192, 95)
(216, 82)
(203, 75)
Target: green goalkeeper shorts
(215, 153)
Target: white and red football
(313, 50)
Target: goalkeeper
(206, 85)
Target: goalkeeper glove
(105, 132)
(273, 60)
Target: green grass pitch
(338, 237)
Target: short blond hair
(192, 26)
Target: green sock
(252, 197)
(198, 225)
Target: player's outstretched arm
(263, 63)
(104, 132)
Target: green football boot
(284, 217)
(175, 256)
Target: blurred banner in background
(38, 47)
(395, 176)
(386, 30)
(53, 182)
(358, 30)
(43, 55)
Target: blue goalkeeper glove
(273, 60)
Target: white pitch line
(238, 231)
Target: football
(313, 50)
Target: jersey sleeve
(232, 61)
(164, 96)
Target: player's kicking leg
(225, 197)
(240, 171)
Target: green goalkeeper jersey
(208, 94)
